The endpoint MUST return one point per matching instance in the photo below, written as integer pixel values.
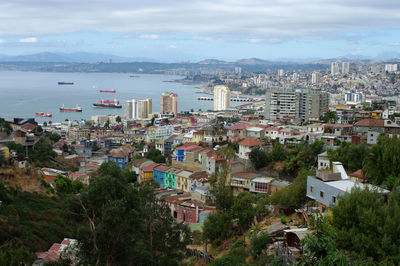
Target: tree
(294, 194)
(278, 152)
(45, 124)
(217, 227)
(329, 117)
(351, 155)
(243, 210)
(39, 128)
(381, 163)
(258, 158)
(127, 223)
(5, 126)
(258, 243)
(155, 155)
(118, 119)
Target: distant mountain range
(81, 57)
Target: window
(333, 199)
(321, 194)
(311, 189)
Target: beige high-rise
(222, 98)
(169, 103)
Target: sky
(192, 30)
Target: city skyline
(227, 30)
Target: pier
(233, 99)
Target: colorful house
(159, 173)
(170, 178)
(122, 155)
(182, 180)
(146, 172)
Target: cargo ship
(65, 83)
(72, 110)
(41, 114)
(107, 104)
(109, 91)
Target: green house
(170, 178)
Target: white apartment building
(222, 98)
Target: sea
(22, 94)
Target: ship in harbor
(71, 110)
(109, 91)
(65, 83)
(41, 114)
(107, 104)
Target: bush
(258, 243)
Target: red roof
(249, 141)
(149, 168)
(161, 168)
(371, 123)
(358, 174)
(337, 125)
(239, 126)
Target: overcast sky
(177, 30)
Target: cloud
(171, 46)
(207, 20)
(149, 36)
(394, 44)
(2, 41)
(30, 39)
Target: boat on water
(71, 110)
(109, 91)
(41, 114)
(65, 83)
(107, 104)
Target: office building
(138, 109)
(280, 72)
(222, 98)
(345, 67)
(312, 104)
(169, 103)
(315, 77)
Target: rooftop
(249, 141)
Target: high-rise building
(345, 67)
(138, 109)
(280, 72)
(169, 103)
(304, 104)
(281, 103)
(391, 67)
(335, 68)
(315, 77)
(222, 98)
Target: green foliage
(42, 151)
(18, 148)
(39, 128)
(330, 117)
(351, 155)
(15, 256)
(33, 221)
(278, 152)
(118, 119)
(258, 243)
(304, 155)
(65, 185)
(283, 220)
(294, 194)
(382, 162)
(262, 203)
(229, 260)
(110, 168)
(367, 226)
(234, 146)
(243, 210)
(259, 157)
(217, 227)
(320, 247)
(54, 137)
(155, 155)
(128, 176)
(126, 223)
(5, 126)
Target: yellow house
(198, 136)
(146, 172)
(182, 180)
(376, 114)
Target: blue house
(159, 173)
(122, 156)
